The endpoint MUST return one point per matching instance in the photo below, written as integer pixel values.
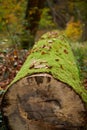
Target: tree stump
(46, 94)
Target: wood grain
(40, 102)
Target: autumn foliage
(10, 63)
(74, 30)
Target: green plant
(74, 30)
(46, 21)
(80, 52)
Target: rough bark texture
(32, 17)
(47, 93)
(33, 14)
(40, 102)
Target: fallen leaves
(65, 51)
(37, 64)
(10, 63)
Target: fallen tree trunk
(46, 94)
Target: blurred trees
(32, 18)
(33, 14)
(11, 19)
(65, 11)
(82, 15)
(19, 20)
(78, 10)
(59, 12)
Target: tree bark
(57, 8)
(46, 93)
(84, 35)
(32, 17)
(33, 14)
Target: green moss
(52, 54)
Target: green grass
(80, 52)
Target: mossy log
(47, 93)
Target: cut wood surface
(47, 93)
(41, 98)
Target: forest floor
(11, 61)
